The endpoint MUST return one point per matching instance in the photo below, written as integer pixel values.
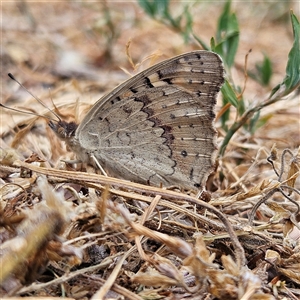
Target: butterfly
(157, 127)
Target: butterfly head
(64, 130)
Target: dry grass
(72, 233)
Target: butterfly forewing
(157, 127)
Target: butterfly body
(157, 127)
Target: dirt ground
(69, 54)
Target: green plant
(160, 11)
(287, 86)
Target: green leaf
(148, 7)
(241, 107)
(159, 10)
(155, 8)
(263, 72)
(225, 117)
(212, 44)
(229, 95)
(292, 77)
(266, 70)
(227, 35)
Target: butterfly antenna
(25, 112)
(35, 97)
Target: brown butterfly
(157, 127)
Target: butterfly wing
(157, 127)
